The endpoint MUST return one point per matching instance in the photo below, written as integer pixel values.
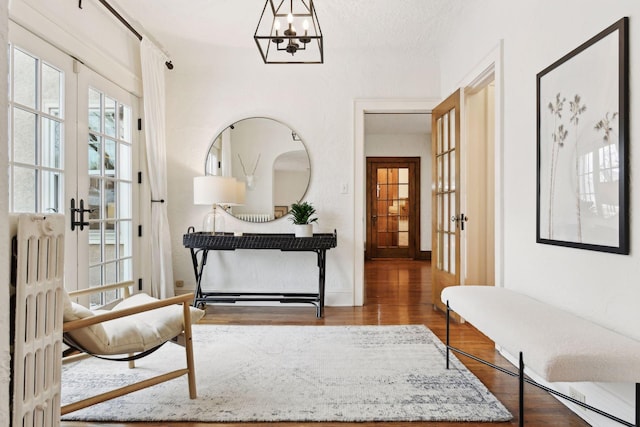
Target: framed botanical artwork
(280, 211)
(583, 132)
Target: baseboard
(614, 398)
(423, 255)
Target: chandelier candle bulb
(305, 39)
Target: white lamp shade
(241, 192)
(213, 190)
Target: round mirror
(272, 161)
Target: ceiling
(186, 29)
(411, 26)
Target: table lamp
(214, 190)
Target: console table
(200, 243)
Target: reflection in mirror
(270, 158)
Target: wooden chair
(133, 328)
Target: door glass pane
(111, 272)
(124, 195)
(452, 246)
(125, 270)
(124, 116)
(382, 175)
(95, 154)
(382, 223)
(382, 207)
(445, 172)
(110, 244)
(445, 212)
(439, 256)
(52, 192)
(439, 212)
(24, 185)
(110, 202)
(454, 211)
(445, 132)
(452, 184)
(124, 238)
(452, 129)
(110, 116)
(439, 173)
(95, 279)
(24, 137)
(25, 79)
(439, 135)
(95, 200)
(51, 91)
(51, 143)
(95, 250)
(95, 111)
(445, 252)
(110, 160)
(124, 161)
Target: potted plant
(301, 213)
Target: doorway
(393, 207)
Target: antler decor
(249, 177)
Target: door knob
(460, 219)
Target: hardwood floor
(397, 292)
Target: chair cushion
(130, 334)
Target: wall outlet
(179, 283)
(578, 396)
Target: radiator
(38, 273)
(254, 217)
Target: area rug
(293, 373)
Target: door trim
(362, 107)
(491, 64)
(414, 223)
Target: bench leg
(521, 392)
(448, 320)
(637, 404)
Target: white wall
(4, 228)
(225, 85)
(409, 145)
(599, 286)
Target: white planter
(303, 230)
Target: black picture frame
(582, 145)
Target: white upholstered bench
(558, 346)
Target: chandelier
(289, 33)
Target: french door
(106, 156)
(447, 221)
(72, 145)
(393, 207)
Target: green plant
(301, 213)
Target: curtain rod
(117, 15)
(124, 22)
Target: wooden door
(447, 220)
(393, 207)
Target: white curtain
(153, 86)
